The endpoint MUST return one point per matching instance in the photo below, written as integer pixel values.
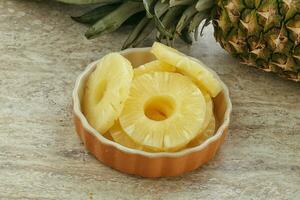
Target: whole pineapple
(261, 33)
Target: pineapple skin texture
(261, 33)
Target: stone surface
(42, 51)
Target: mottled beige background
(41, 53)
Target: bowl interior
(137, 57)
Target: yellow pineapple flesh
(106, 90)
(160, 66)
(189, 67)
(164, 111)
(204, 135)
(119, 136)
(209, 110)
(154, 66)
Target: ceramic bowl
(143, 163)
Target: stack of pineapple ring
(164, 105)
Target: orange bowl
(143, 163)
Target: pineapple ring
(177, 101)
(160, 66)
(189, 67)
(106, 91)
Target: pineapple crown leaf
(169, 18)
(204, 5)
(96, 14)
(86, 2)
(136, 32)
(114, 19)
(149, 7)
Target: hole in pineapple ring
(159, 108)
(100, 90)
